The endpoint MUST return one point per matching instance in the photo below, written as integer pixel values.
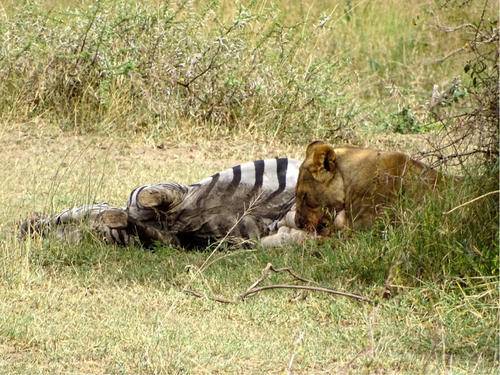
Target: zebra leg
(113, 227)
(147, 211)
(166, 196)
(43, 225)
(242, 231)
(35, 224)
(250, 227)
(115, 218)
(107, 222)
(285, 232)
(150, 233)
(288, 220)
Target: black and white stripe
(203, 211)
(274, 175)
(79, 214)
(262, 190)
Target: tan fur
(347, 187)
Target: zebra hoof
(114, 218)
(36, 223)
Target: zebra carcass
(248, 202)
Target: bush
(467, 112)
(134, 66)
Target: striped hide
(247, 201)
(241, 202)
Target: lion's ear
(312, 146)
(322, 161)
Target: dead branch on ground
(266, 272)
(304, 287)
(211, 298)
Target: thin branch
(264, 275)
(153, 51)
(304, 287)
(211, 298)
(270, 268)
(451, 29)
(86, 33)
(450, 54)
(211, 65)
(296, 344)
(472, 201)
(458, 155)
(254, 289)
(292, 273)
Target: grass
(102, 310)
(317, 70)
(86, 114)
(133, 326)
(93, 308)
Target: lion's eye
(311, 203)
(307, 200)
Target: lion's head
(349, 186)
(320, 195)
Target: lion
(348, 187)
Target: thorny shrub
(467, 111)
(133, 65)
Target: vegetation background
(97, 97)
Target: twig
(211, 65)
(265, 274)
(296, 344)
(387, 292)
(86, 33)
(153, 51)
(452, 29)
(211, 298)
(254, 289)
(305, 287)
(471, 201)
(450, 54)
(293, 274)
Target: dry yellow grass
(95, 309)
